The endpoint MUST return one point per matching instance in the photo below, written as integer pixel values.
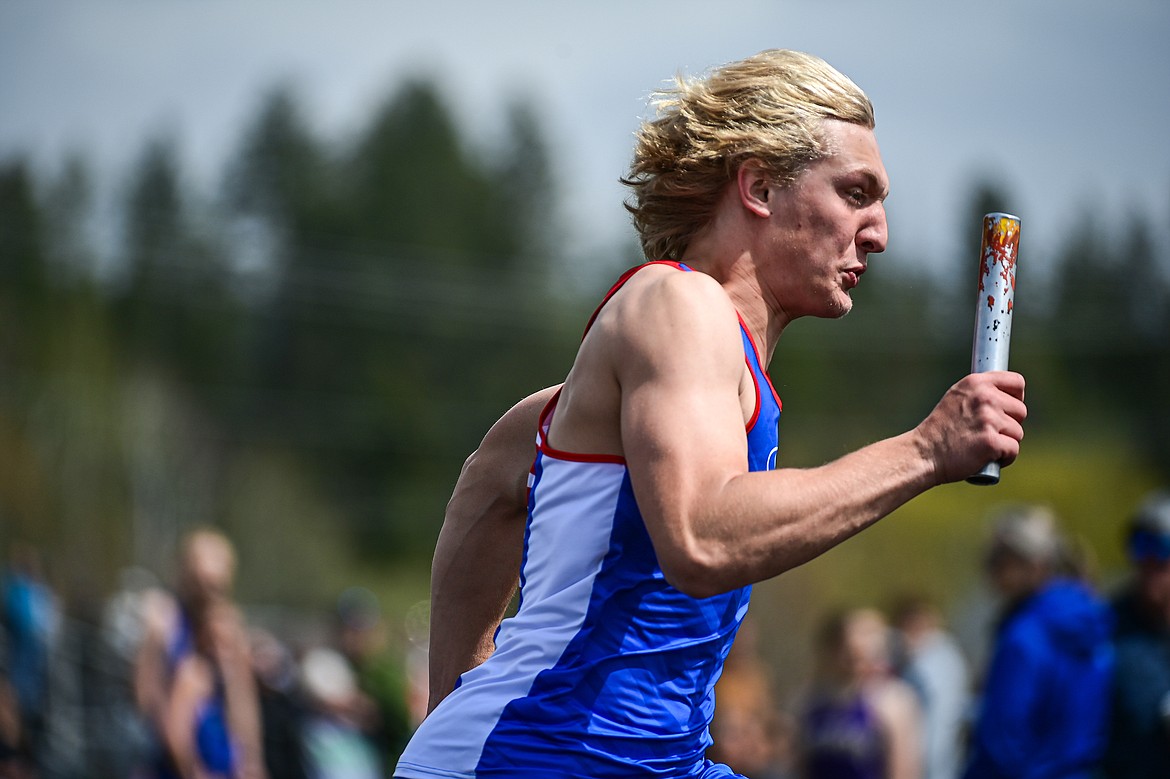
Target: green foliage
(1113, 310)
(23, 267)
(172, 310)
(279, 174)
(404, 287)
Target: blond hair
(770, 107)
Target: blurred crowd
(1077, 684)
(177, 682)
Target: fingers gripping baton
(993, 309)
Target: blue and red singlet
(606, 670)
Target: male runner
(651, 505)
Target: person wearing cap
(1139, 739)
(1045, 701)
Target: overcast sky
(1066, 101)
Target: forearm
(473, 578)
(149, 680)
(177, 717)
(243, 711)
(476, 567)
(902, 724)
(754, 526)
(903, 760)
(159, 615)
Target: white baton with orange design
(998, 253)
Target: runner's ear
(754, 186)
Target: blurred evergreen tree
(279, 172)
(445, 232)
(1142, 371)
(24, 287)
(1110, 328)
(415, 183)
(277, 184)
(25, 311)
(1091, 298)
(406, 304)
(80, 422)
(174, 310)
(153, 239)
(525, 173)
(69, 203)
(1112, 314)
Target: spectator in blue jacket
(1139, 742)
(1045, 703)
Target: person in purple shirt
(860, 721)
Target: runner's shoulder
(662, 292)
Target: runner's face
(827, 223)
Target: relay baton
(998, 253)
